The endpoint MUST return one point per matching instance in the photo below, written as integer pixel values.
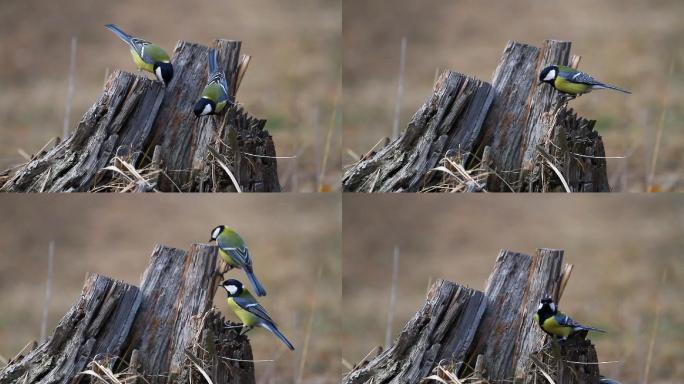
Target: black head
(547, 306)
(233, 287)
(216, 232)
(164, 72)
(548, 74)
(204, 107)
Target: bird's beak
(210, 240)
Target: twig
(393, 298)
(309, 327)
(71, 86)
(654, 331)
(659, 133)
(48, 291)
(333, 122)
(400, 90)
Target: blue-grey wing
(579, 77)
(239, 254)
(254, 308)
(220, 78)
(139, 46)
(567, 321)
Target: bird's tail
(121, 34)
(610, 86)
(213, 62)
(278, 334)
(258, 288)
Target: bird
(215, 95)
(572, 82)
(234, 252)
(556, 323)
(249, 311)
(147, 56)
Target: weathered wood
(162, 329)
(95, 328)
(573, 361)
(448, 123)
(442, 329)
(516, 117)
(134, 115)
(214, 341)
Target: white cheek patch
(216, 232)
(540, 307)
(206, 110)
(553, 307)
(232, 289)
(158, 72)
(551, 75)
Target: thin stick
(393, 298)
(48, 291)
(333, 122)
(309, 327)
(659, 133)
(71, 86)
(654, 331)
(400, 90)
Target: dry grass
(633, 48)
(295, 49)
(619, 244)
(290, 236)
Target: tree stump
(162, 332)
(511, 134)
(142, 136)
(490, 335)
(442, 329)
(94, 328)
(448, 123)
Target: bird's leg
(245, 330)
(225, 270)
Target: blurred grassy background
(631, 43)
(620, 245)
(290, 237)
(291, 81)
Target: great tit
(571, 81)
(234, 252)
(215, 95)
(250, 312)
(556, 323)
(147, 56)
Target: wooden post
(165, 329)
(136, 114)
(514, 117)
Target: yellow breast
(569, 87)
(551, 326)
(247, 318)
(140, 63)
